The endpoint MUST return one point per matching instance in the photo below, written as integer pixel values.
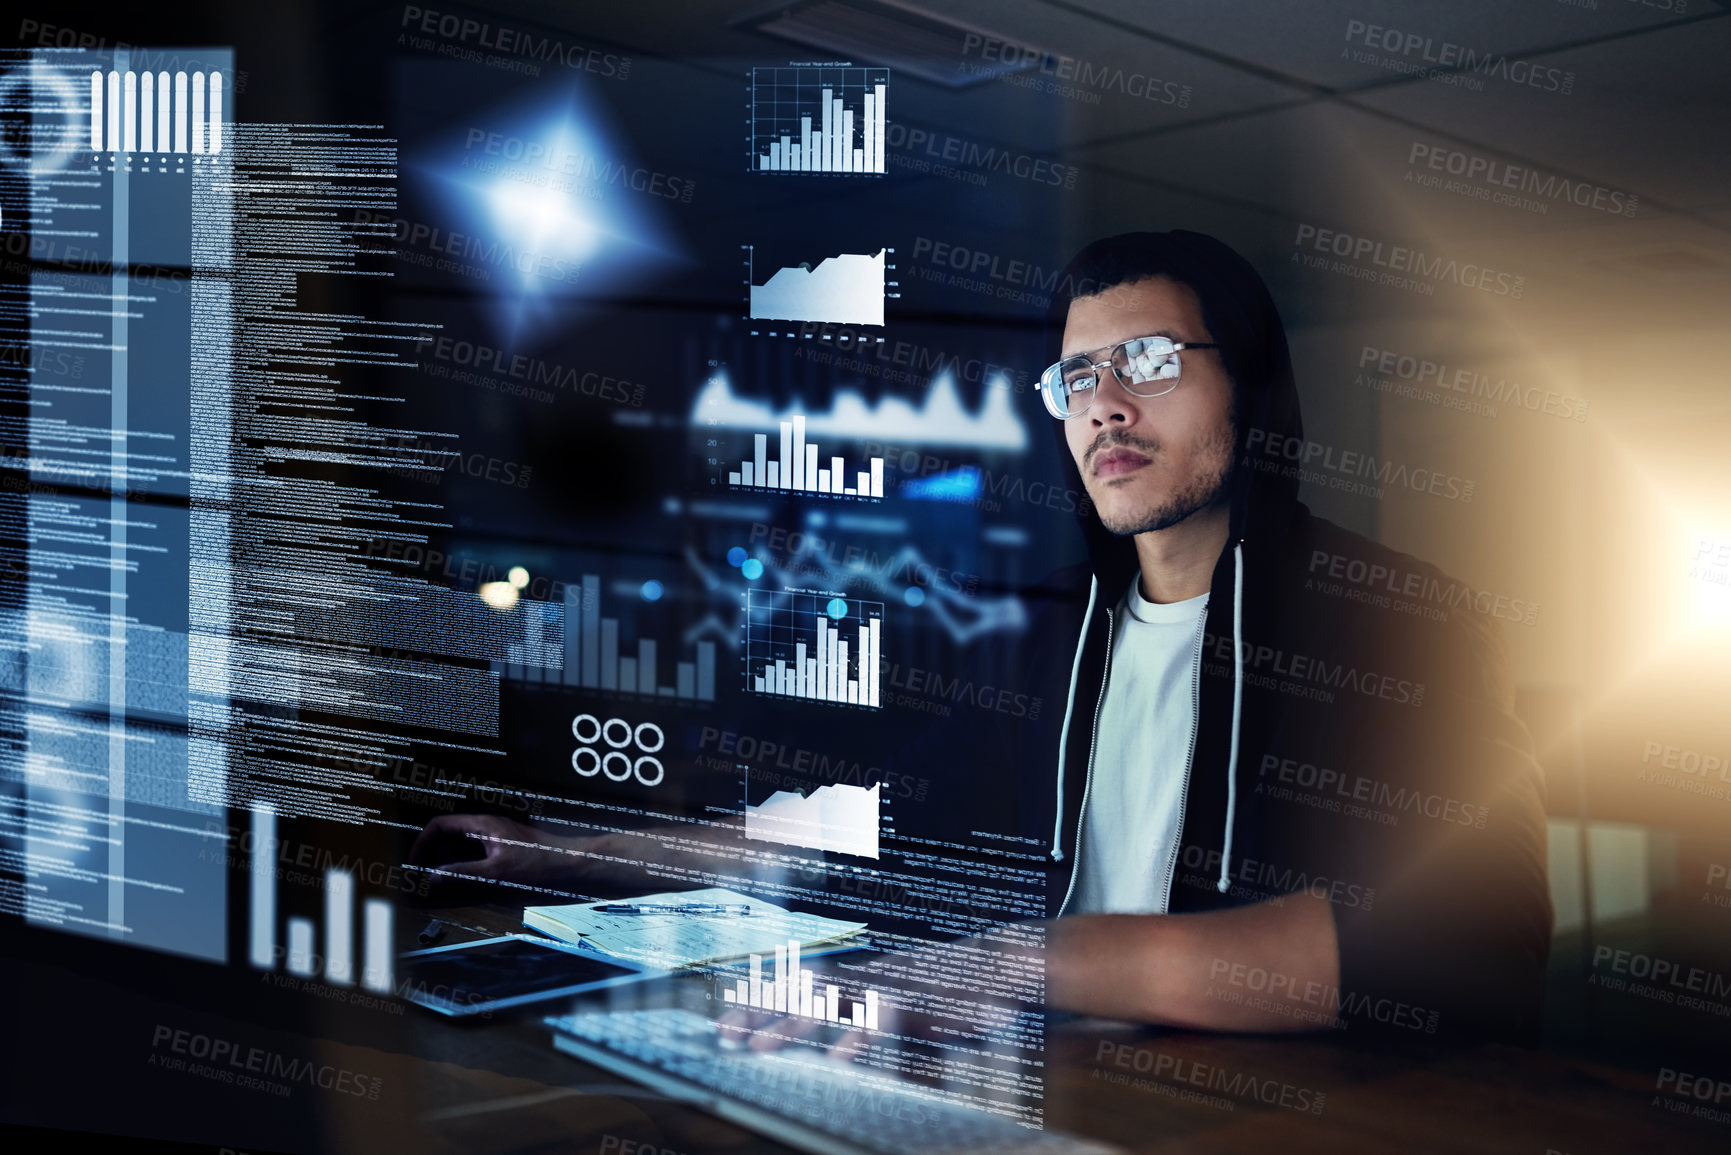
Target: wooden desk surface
(1144, 1089)
(115, 1045)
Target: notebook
(670, 941)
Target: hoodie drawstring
(1237, 710)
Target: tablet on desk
(491, 974)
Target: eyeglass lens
(1136, 364)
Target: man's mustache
(1114, 439)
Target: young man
(1281, 796)
(1286, 789)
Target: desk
(99, 1061)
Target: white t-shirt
(1141, 757)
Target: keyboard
(806, 1102)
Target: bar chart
(818, 646)
(791, 989)
(799, 465)
(843, 289)
(141, 112)
(301, 955)
(818, 119)
(598, 656)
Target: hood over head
(1241, 317)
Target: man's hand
(495, 849)
(1177, 969)
(685, 856)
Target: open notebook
(670, 941)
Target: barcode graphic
(135, 112)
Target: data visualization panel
(797, 464)
(818, 646)
(818, 119)
(840, 289)
(793, 989)
(940, 417)
(838, 818)
(595, 651)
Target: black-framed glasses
(1144, 366)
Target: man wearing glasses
(1280, 796)
(1277, 798)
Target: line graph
(940, 418)
(842, 289)
(838, 818)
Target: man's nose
(1112, 405)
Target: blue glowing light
(736, 557)
(539, 205)
(752, 569)
(837, 609)
(652, 590)
(957, 485)
(914, 596)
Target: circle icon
(837, 609)
(617, 764)
(624, 762)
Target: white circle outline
(623, 742)
(660, 737)
(575, 722)
(660, 770)
(593, 770)
(625, 758)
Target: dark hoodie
(1375, 760)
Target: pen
(671, 908)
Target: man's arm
(491, 848)
(1200, 970)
